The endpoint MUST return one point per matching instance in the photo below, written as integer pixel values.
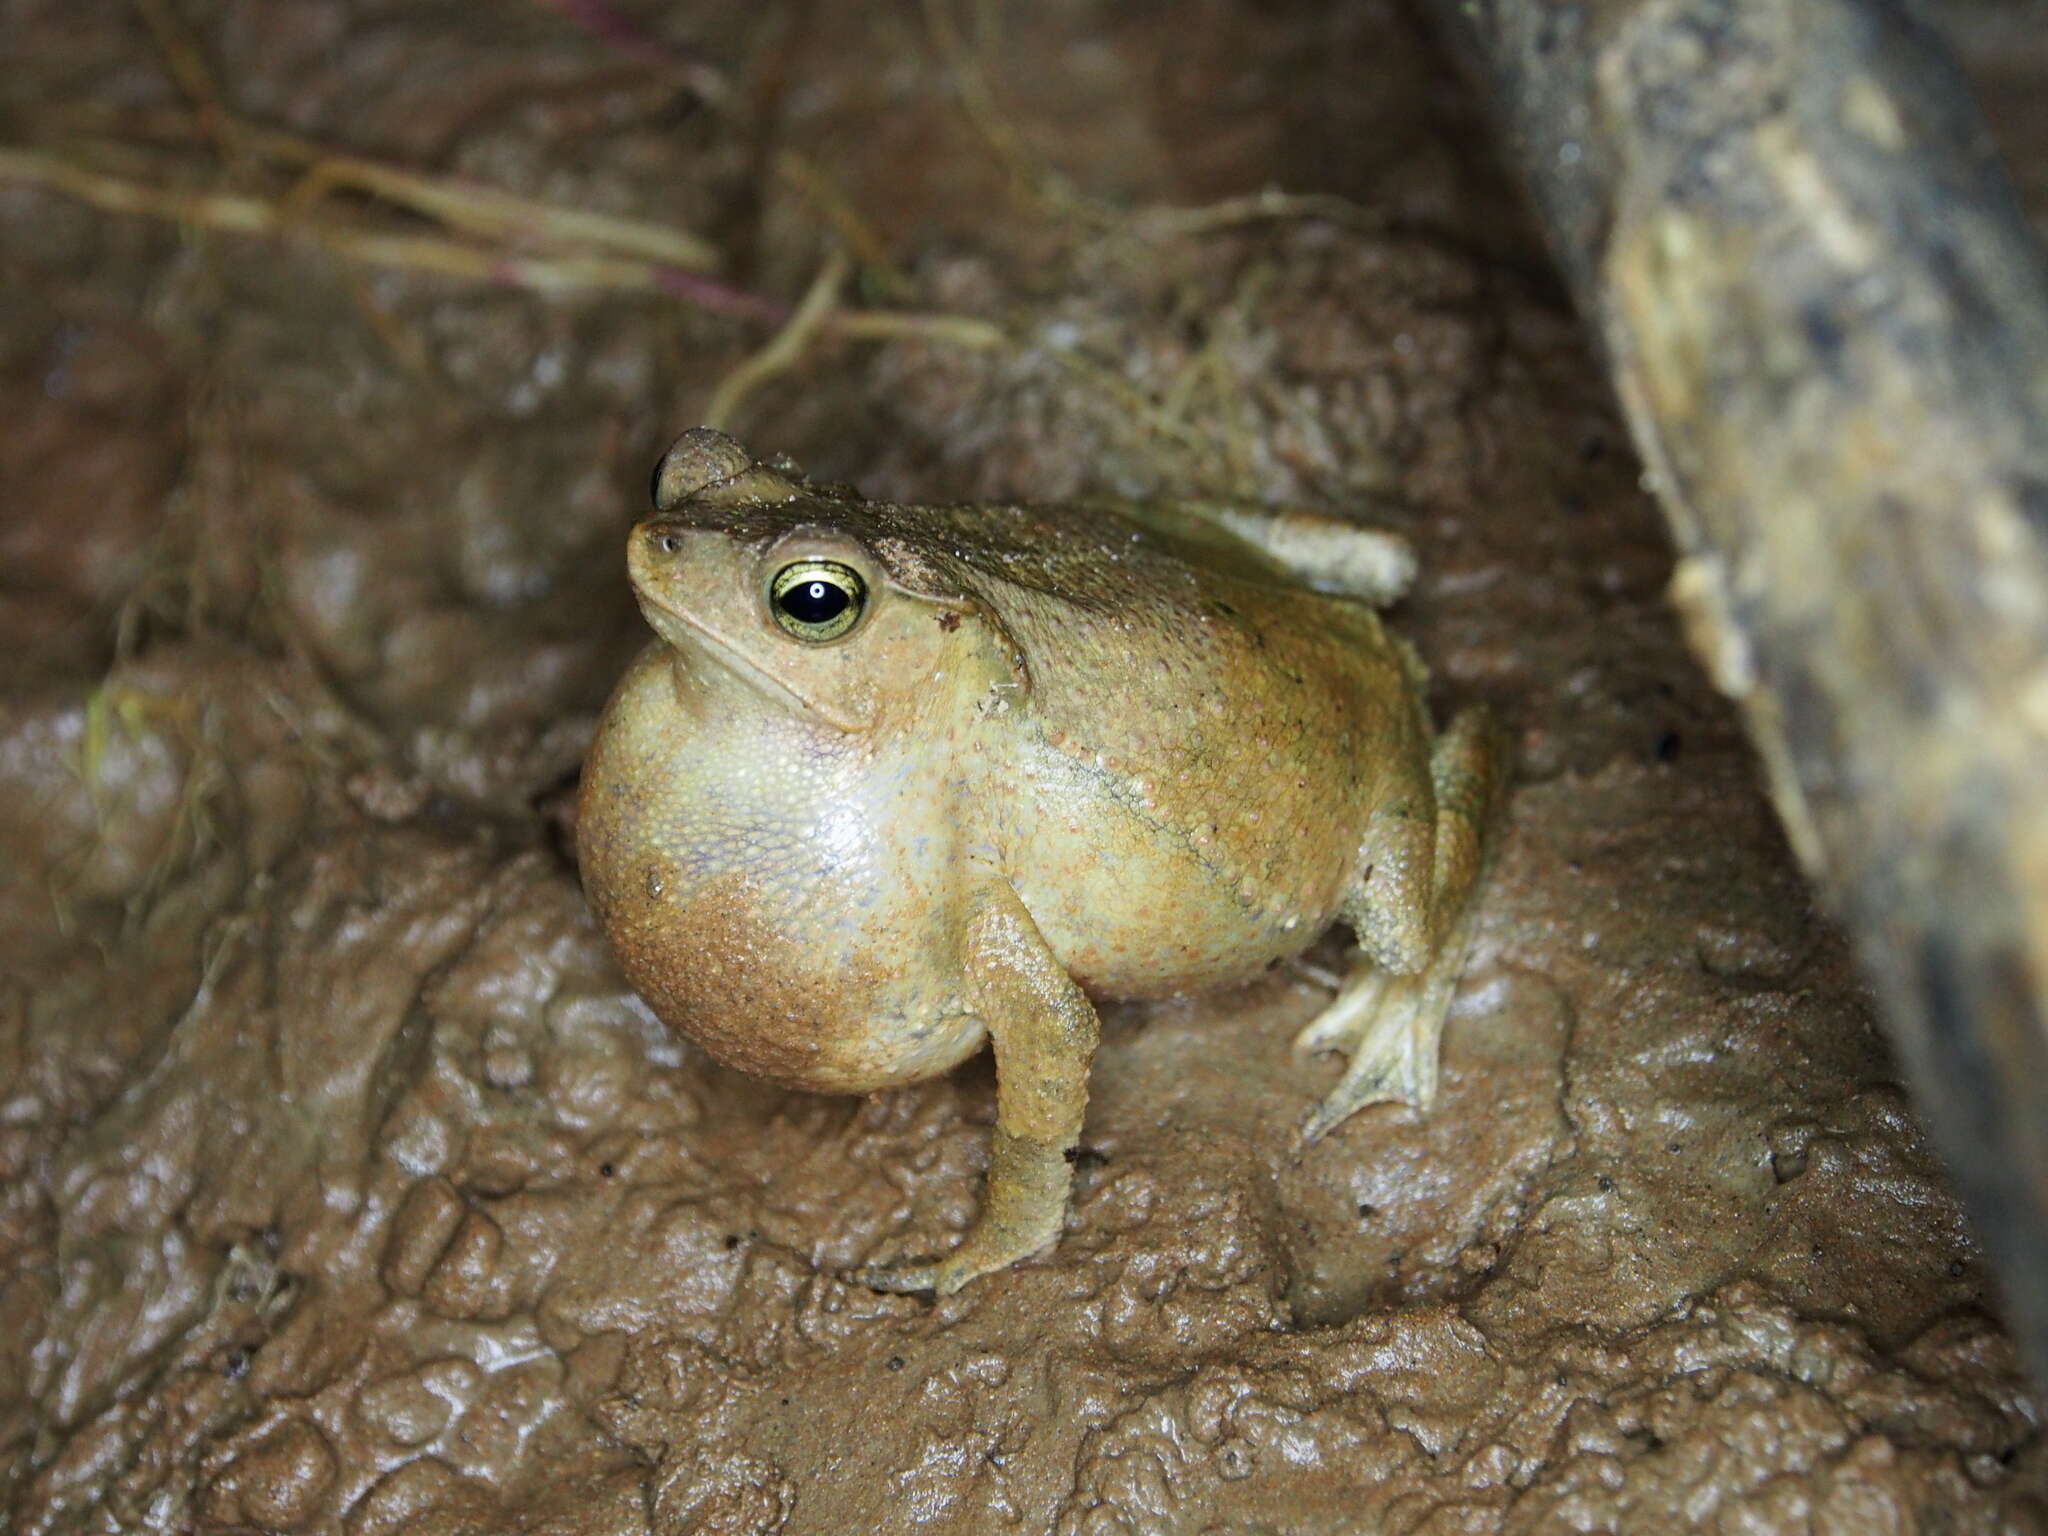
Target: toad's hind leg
(1318, 550)
(1412, 911)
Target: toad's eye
(817, 600)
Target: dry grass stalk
(495, 215)
(242, 213)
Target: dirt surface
(342, 1185)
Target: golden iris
(817, 600)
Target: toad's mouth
(686, 633)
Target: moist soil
(343, 1184)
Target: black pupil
(815, 601)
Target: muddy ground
(342, 1184)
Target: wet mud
(345, 1187)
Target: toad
(893, 781)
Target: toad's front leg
(1045, 1031)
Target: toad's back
(1200, 748)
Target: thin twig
(1137, 405)
(1161, 223)
(854, 230)
(627, 37)
(188, 69)
(240, 213)
(786, 346)
(818, 314)
(963, 331)
(500, 215)
(1029, 170)
(461, 205)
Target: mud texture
(343, 1187)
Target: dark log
(1827, 322)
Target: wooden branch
(1828, 325)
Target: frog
(891, 783)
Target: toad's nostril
(667, 543)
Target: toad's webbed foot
(1413, 915)
(1391, 1028)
